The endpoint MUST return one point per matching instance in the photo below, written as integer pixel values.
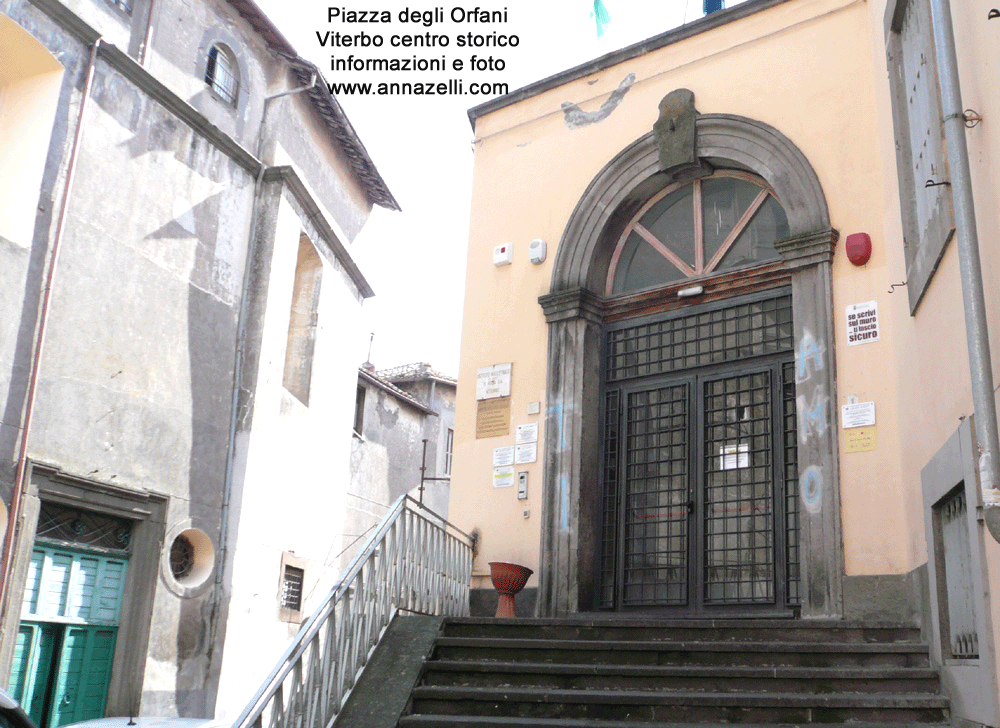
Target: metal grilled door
(657, 504)
(699, 471)
(738, 503)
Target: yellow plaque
(860, 439)
(493, 417)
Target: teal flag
(601, 15)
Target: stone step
(502, 721)
(704, 678)
(688, 630)
(680, 706)
(672, 652)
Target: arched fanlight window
(222, 74)
(728, 220)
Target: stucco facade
(176, 291)
(397, 410)
(793, 96)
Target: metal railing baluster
(415, 561)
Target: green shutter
(83, 587)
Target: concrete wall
(291, 488)
(134, 407)
(386, 455)
(136, 380)
(440, 396)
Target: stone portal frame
(574, 311)
(148, 512)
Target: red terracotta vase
(508, 580)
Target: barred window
(449, 446)
(222, 74)
(291, 588)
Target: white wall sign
(527, 433)
(493, 381)
(503, 456)
(733, 457)
(859, 414)
(503, 477)
(862, 323)
(527, 453)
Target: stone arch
(722, 139)
(574, 310)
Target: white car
(150, 722)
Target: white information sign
(527, 453)
(493, 381)
(503, 477)
(859, 414)
(503, 456)
(527, 433)
(862, 323)
(733, 457)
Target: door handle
(690, 505)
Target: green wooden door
(65, 649)
(82, 675)
(33, 654)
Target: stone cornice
(575, 303)
(807, 250)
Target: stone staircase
(613, 673)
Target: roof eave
(325, 103)
(675, 35)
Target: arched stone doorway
(577, 310)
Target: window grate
(182, 557)
(699, 339)
(955, 561)
(291, 588)
(220, 74)
(58, 523)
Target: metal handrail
(414, 562)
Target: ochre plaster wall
(808, 69)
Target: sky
(422, 145)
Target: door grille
(722, 335)
(657, 498)
(739, 491)
(791, 462)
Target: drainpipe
(148, 36)
(241, 338)
(21, 473)
(967, 239)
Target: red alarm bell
(859, 248)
